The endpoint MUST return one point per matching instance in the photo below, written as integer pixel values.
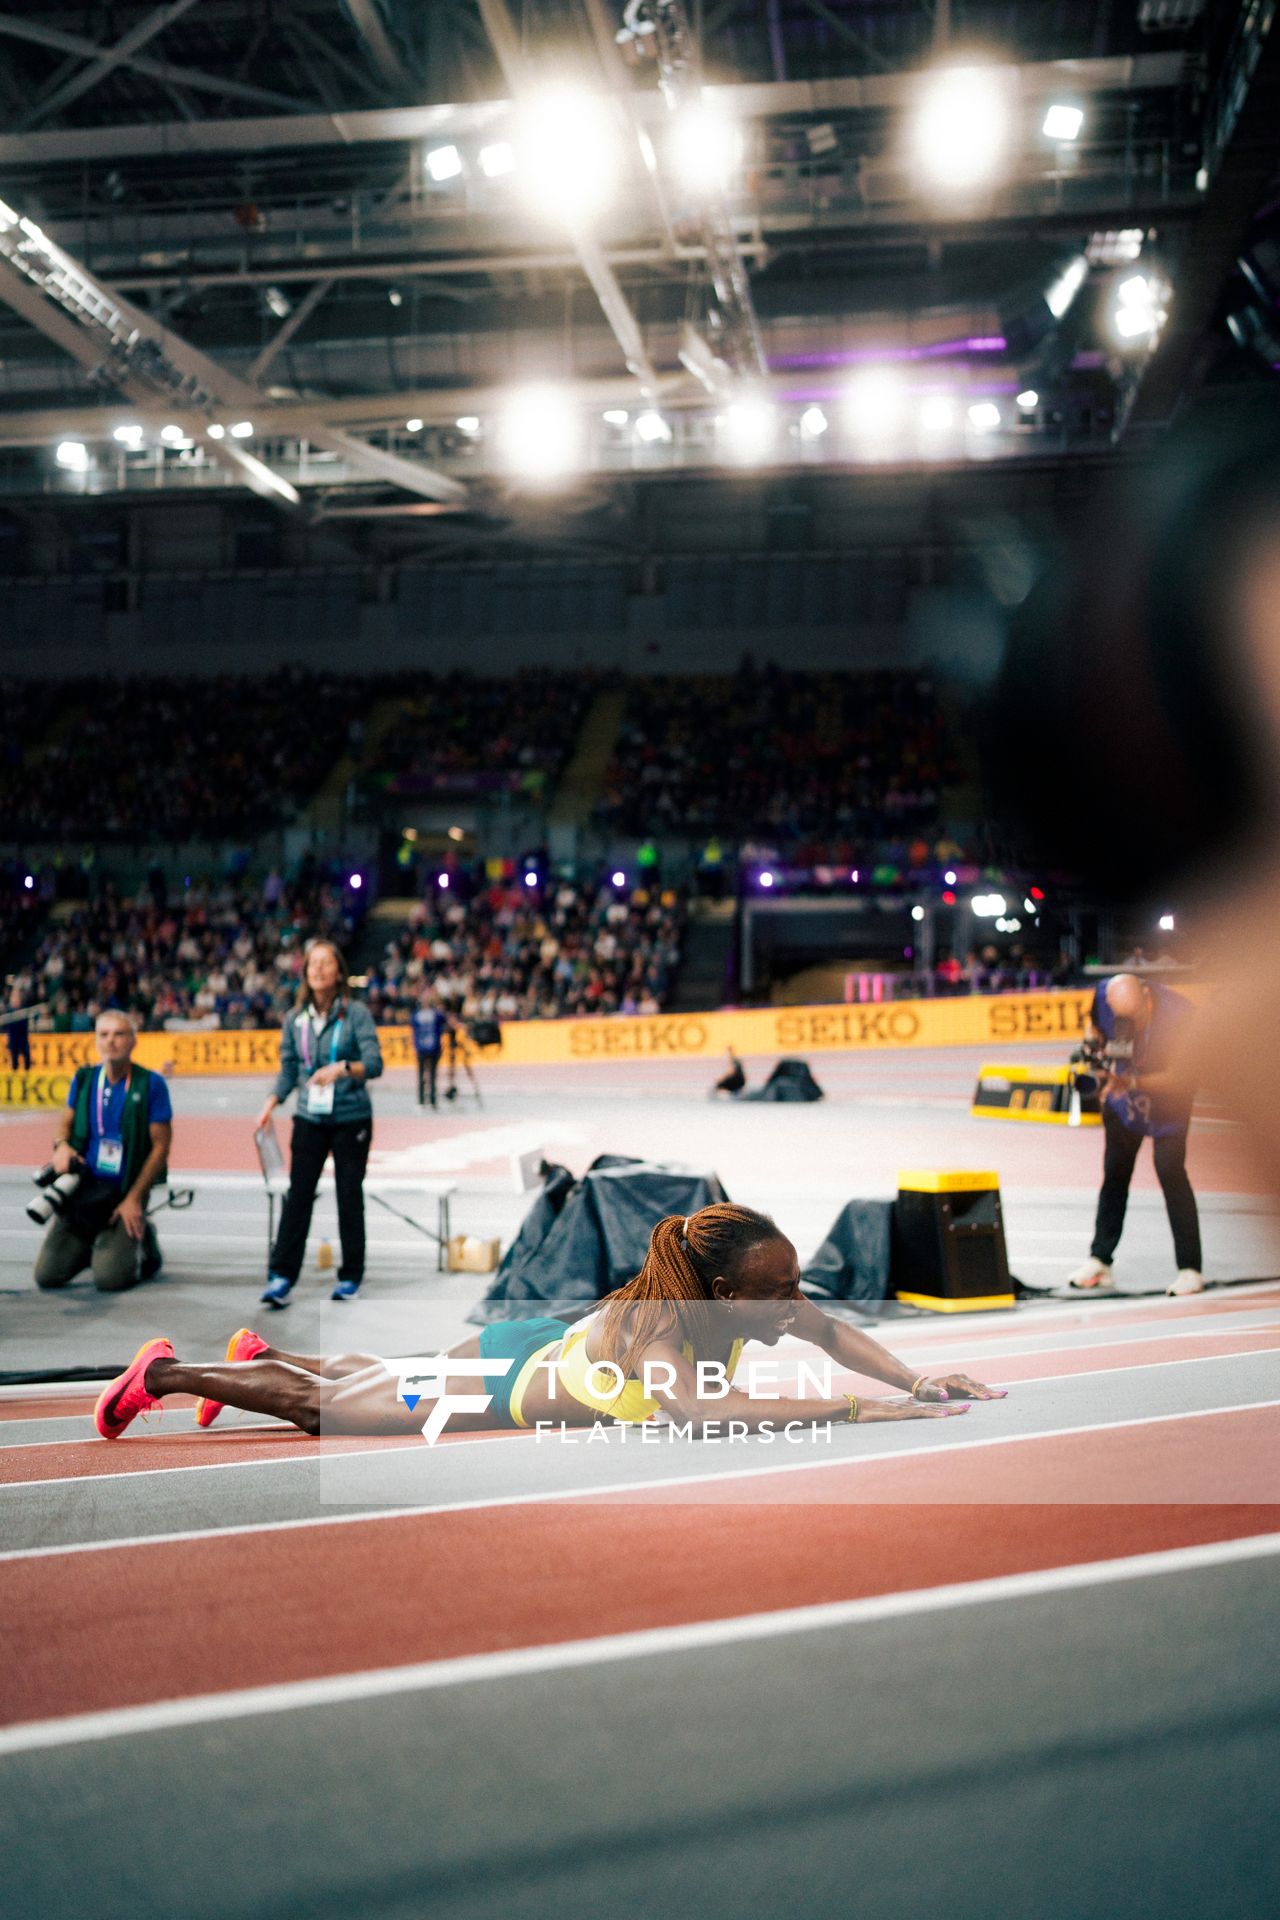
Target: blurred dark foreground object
(1129, 742)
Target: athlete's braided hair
(673, 1287)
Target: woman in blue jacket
(329, 1050)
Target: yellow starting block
(1031, 1093)
(948, 1250)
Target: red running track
(125, 1626)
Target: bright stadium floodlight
(496, 159)
(615, 416)
(1166, 923)
(1067, 286)
(172, 436)
(130, 436)
(937, 413)
(813, 423)
(749, 428)
(766, 878)
(242, 430)
(73, 455)
(873, 404)
(1062, 122)
(540, 435)
(443, 163)
(917, 913)
(651, 426)
(705, 147)
(469, 423)
(216, 430)
(950, 876)
(568, 153)
(619, 878)
(960, 126)
(1137, 313)
(442, 881)
(988, 906)
(1028, 400)
(984, 416)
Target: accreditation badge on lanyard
(319, 1100)
(110, 1155)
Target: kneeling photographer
(1136, 1034)
(110, 1148)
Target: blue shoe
(277, 1291)
(345, 1290)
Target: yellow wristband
(852, 1398)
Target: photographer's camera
(57, 1190)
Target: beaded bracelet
(852, 1398)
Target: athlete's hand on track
(957, 1386)
(870, 1410)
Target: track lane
(118, 1627)
(221, 1615)
(28, 1459)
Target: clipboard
(270, 1155)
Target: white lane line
(78, 1439)
(382, 1682)
(546, 1496)
(1067, 1311)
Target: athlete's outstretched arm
(861, 1354)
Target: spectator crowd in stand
(213, 957)
(508, 956)
(797, 759)
(459, 730)
(194, 758)
(231, 957)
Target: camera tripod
(458, 1053)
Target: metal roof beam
(126, 349)
(626, 328)
(101, 65)
(13, 27)
(307, 128)
(367, 20)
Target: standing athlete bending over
(709, 1284)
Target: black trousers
(428, 1066)
(312, 1143)
(1171, 1171)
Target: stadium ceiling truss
(225, 212)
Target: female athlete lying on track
(709, 1284)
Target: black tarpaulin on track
(853, 1261)
(582, 1238)
(791, 1080)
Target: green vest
(135, 1127)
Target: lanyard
(302, 1027)
(102, 1099)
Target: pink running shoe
(244, 1345)
(127, 1396)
